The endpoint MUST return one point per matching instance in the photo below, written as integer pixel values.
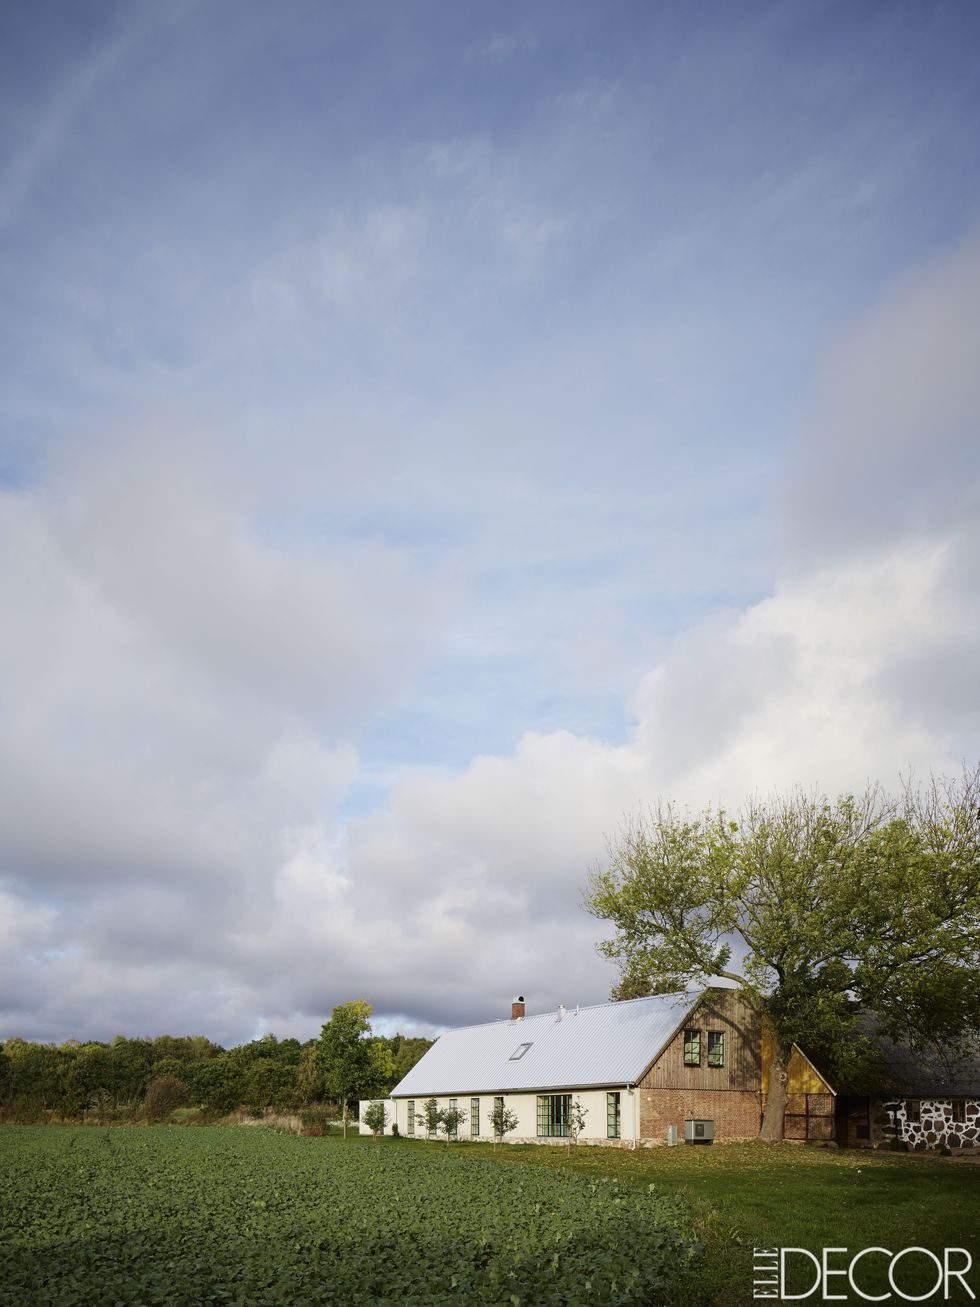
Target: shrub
(451, 1119)
(502, 1120)
(376, 1117)
(430, 1117)
(163, 1095)
(319, 1114)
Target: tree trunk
(775, 1105)
(343, 1113)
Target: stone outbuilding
(916, 1100)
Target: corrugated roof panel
(609, 1044)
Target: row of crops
(224, 1216)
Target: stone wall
(935, 1128)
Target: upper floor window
(519, 1052)
(716, 1048)
(692, 1047)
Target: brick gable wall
(730, 1096)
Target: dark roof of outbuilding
(921, 1073)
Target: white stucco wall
(525, 1107)
(365, 1104)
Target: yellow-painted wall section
(803, 1076)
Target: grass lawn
(783, 1195)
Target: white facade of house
(594, 1104)
(541, 1065)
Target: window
(519, 1052)
(474, 1116)
(410, 1127)
(613, 1116)
(716, 1048)
(913, 1111)
(553, 1111)
(692, 1047)
(959, 1110)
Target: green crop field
(218, 1215)
(164, 1215)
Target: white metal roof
(609, 1044)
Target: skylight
(519, 1052)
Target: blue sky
(430, 431)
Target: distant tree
(310, 1081)
(406, 1052)
(163, 1095)
(831, 906)
(344, 1055)
(382, 1063)
(5, 1077)
(218, 1085)
(35, 1083)
(290, 1052)
(376, 1118)
(129, 1066)
(502, 1120)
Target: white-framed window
(716, 1048)
(692, 1047)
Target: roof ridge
(581, 1007)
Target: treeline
(151, 1078)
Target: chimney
(517, 1008)
(561, 1011)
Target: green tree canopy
(350, 1062)
(816, 908)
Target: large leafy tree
(352, 1065)
(815, 909)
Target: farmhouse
(636, 1068)
(689, 1067)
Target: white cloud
(175, 691)
(181, 693)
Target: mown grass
(783, 1195)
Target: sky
(430, 434)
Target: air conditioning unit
(672, 1136)
(699, 1132)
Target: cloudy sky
(430, 432)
